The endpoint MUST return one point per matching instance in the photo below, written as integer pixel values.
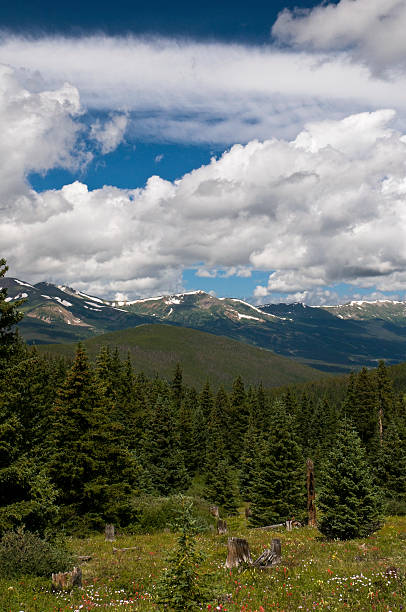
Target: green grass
(156, 349)
(314, 574)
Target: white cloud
(39, 131)
(371, 31)
(326, 207)
(186, 91)
(109, 134)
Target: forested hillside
(156, 349)
(79, 442)
(87, 443)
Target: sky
(255, 150)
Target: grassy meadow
(314, 574)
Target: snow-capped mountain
(330, 337)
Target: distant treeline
(80, 442)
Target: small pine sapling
(182, 586)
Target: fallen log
(84, 558)
(271, 526)
(116, 550)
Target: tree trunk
(65, 581)
(221, 527)
(289, 525)
(311, 494)
(109, 531)
(238, 551)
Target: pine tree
(364, 411)
(248, 459)
(177, 387)
(161, 453)
(385, 398)
(391, 467)
(10, 344)
(349, 503)
(238, 415)
(186, 433)
(73, 463)
(27, 497)
(278, 486)
(220, 485)
(182, 586)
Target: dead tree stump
(248, 512)
(109, 532)
(289, 525)
(221, 527)
(214, 511)
(65, 581)
(270, 556)
(238, 551)
(311, 494)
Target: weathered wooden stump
(270, 556)
(248, 512)
(289, 525)
(109, 532)
(221, 527)
(214, 511)
(65, 581)
(238, 551)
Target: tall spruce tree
(161, 453)
(278, 486)
(391, 467)
(10, 344)
(220, 480)
(350, 504)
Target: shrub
(154, 513)
(25, 553)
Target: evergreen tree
(238, 416)
(182, 586)
(349, 503)
(27, 497)
(220, 486)
(391, 467)
(385, 398)
(278, 486)
(177, 387)
(161, 453)
(364, 411)
(248, 459)
(187, 433)
(10, 344)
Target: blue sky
(245, 112)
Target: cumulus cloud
(109, 134)
(39, 131)
(325, 207)
(187, 91)
(371, 31)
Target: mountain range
(330, 338)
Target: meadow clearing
(315, 574)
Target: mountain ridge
(332, 338)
